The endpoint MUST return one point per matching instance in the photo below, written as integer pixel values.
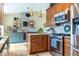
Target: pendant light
(29, 12)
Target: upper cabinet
(49, 16)
(57, 8)
(1, 13)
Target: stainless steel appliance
(57, 45)
(76, 36)
(76, 31)
(62, 17)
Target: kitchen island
(37, 42)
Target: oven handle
(58, 39)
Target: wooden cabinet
(57, 8)
(67, 46)
(1, 13)
(38, 43)
(50, 17)
(62, 7)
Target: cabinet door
(57, 8)
(50, 17)
(67, 46)
(39, 43)
(34, 44)
(1, 13)
(44, 43)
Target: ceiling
(22, 7)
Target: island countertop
(30, 33)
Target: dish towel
(54, 42)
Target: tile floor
(20, 49)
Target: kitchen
(43, 31)
(75, 30)
(16, 25)
(62, 28)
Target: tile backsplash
(60, 29)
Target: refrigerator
(76, 36)
(75, 29)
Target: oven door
(56, 45)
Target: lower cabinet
(67, 46)
(16, 37)
(38, 43)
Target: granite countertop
(62, 34)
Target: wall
(9, 19)
(60, 29)
(8, 22)
(22, 7)
(38, 20)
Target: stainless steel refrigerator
(76, 36)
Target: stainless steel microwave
(62, 17)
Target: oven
(57, 45)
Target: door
(39, 43)
(77, 35)
(44, 42)
(1, 13)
